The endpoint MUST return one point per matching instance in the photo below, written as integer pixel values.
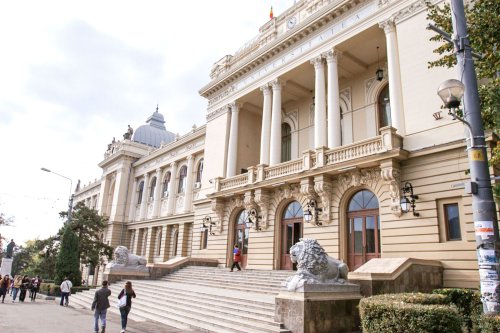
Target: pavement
(47, 316)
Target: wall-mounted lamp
(311, 213)
(379, 74)
(253, 219)
(408, 199)
(207, 225)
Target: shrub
(467, 302)
(416, 313)
(489, 324)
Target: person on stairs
(236, 258)
(101, 305)
(127, 292)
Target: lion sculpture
(314, 266)
(124, 258)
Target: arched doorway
(363, 229)
(241, 233)
(291, 231)
(384, 108)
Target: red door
(291, 232)
(363, 229)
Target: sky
(74, 74)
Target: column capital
(317, 62)
(235, 106)
(158, 170)
(173, 164)
(275, 84)
(388, 26)
(190, 157)
(266, 90)
(332, 56)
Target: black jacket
(101, 301)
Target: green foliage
(68, 262)
(37, 257)
(467, 302)
(489, 324)
(88, 226)
(416, 313)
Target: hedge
(468, 304)
(412, 312)
(489, 324)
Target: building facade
(313, 128)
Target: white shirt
(66, 286)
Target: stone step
(278, 274)
(234, 276)
(274, 290)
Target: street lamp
(70, 205)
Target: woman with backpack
(128, 293)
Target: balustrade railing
(232, 182)
(355, 150)
(283, 169)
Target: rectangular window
(452, 221)
(204, 240)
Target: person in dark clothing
(4, 286)
(127, 292)
(236, 258)
(101, 305)
(25, 285)
(35, 287)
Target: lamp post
(483, 206)
(70, 205)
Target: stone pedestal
(117, 272)
(6, 267)
(320, 308)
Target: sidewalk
(47, 316)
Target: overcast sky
(74, 74)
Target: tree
(68, 262)
(483, 24)
(4, 221)
(37, 257)
(88, 225)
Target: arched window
(166, 185)
(152, 189)
(199, 171)
(286, 142)
(182, 180)
(363, 229)
(140, 190)
(384, 108)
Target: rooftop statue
(128, 134)
(314, 266)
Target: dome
(154, 133)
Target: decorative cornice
(218, 112)
(408, 11)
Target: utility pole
(483, 206)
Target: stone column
(232, 152)
(133, 203)
(171, 194)
(266, 125)
(150, 244)
(395, 87)
(334, 126)
(157, 202)
(188, 196)
(319, 103)
(181, 246)
(164, 247)
(144, 201)
(275, 149)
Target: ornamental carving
(248, 201)
(366, 177)
(324, 190)
(392, 177)
(262, 199)
(407, 11)
(287, 192)
(218, 209)
(307, 189)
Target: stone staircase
(206, 299)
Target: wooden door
(291, 232)
(241, 233)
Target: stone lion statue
(314, 266)
(123, 257)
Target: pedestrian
(4, 286)
(127, 292)
(35, 287)
(18, 281)
(11, 286)
(236, 258)
(100, 305)
(66, 286)
(25, 285)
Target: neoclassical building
(318, 127)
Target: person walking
(101, 305)
(35, 287)
(18, 281)
(4, 286)
(236, 258)
(25, 285)
(65, 286)
(127, 292)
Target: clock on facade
(292, 21)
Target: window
(286, 142)
(452, 220)
(158, 241)
(199, 172)
(384, 108)
(166, 185)
(152, 189)
(140, 189)
(182, 180)
(204, 239)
